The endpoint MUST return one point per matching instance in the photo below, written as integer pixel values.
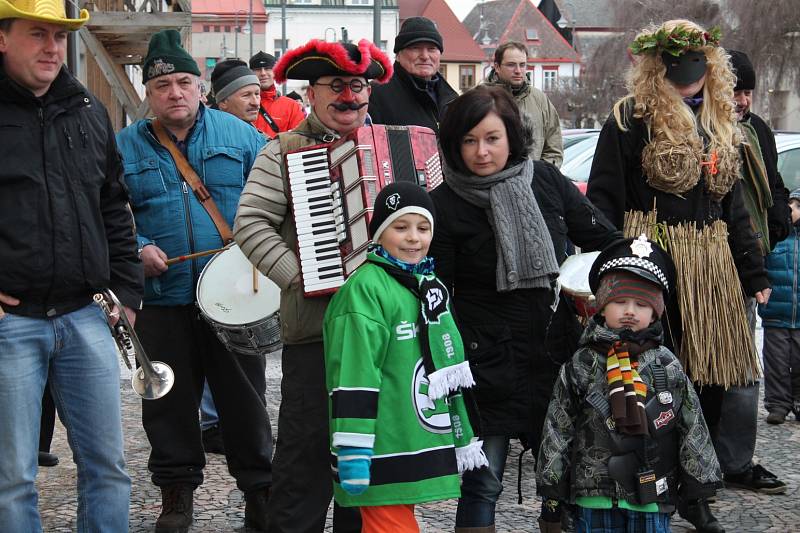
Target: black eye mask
(686, 68)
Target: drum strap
(193, 180)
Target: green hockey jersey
(378, 393)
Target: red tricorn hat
(320, 58)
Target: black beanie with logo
(398, 199)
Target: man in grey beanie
(767, 203)
(417, 94)
(236, 89)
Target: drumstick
(182, 258)
(255, 279)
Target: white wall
(305, 24)
(565, 70)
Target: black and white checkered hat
(638, 256)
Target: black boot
(699, 514)
(255, 509)
(176, 509)
(47, 459)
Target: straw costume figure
(668, 164)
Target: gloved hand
(354, 469)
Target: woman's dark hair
(466, 111)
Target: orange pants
(388, 519)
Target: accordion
(333, 188)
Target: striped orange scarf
(626, 391)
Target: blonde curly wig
(673, 156)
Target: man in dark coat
(735, 440)
(66, 233)
(417, 94)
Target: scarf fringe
(449, 379)
(471, 456)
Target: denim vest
(221, 149)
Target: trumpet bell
(156, 385)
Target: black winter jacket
(513, 340)
(618, 184)
(779, 218)
(65, 228)
(405, 102)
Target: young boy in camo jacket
(624, 432)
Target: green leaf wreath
(674, 42)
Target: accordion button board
(333, 188)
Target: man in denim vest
(171, 222)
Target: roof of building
(520, 20)
(458, 42)
(596, 14)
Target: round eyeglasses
(338, 85)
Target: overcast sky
(462, 7)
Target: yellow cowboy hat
(50, 11)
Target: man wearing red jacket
(276, 113)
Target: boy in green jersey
(394, 362)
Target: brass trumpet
(151, 380)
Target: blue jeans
(208, 410)
(620, 521)
(77, 352)
(481, 488)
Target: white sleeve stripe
(353, 440)
(365, 389)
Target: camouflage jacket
(576, 445)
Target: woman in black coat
(502, 226)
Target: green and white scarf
(442, 356)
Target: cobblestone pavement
(219, 506)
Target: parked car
(579, 152)
(572, 136)
(789, 158)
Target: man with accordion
(265, 229)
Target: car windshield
(578, 158)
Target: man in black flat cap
(276, 113)
(767, 201)
(417, 94)
(338, 75)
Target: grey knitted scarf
(525, 255)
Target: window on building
(360, 2)
(206, 29)
(443, 71)
(227, 29)
(301, 1)
(531, 34)
(216, 29)
(550, 78)
(466, 75)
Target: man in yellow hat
(65, 234)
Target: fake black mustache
(348, 106)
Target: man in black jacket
(735, 440)
(417, 94)
(66, 233)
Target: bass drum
(242, 312)
(573, 275)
